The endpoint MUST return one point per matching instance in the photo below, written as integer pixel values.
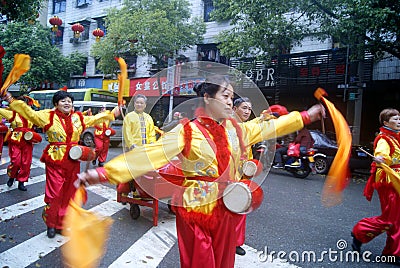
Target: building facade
(290, 80)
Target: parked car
(87, 137)
(326, 151)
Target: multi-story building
(289, 80)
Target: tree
(47, 62)
(158, 28)
(20, 10)
(266, 28)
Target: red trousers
(241, 230)
(102, 144)
(389, 221)
(211, 246)
(1, 143)
(59, 190)
(20, 160)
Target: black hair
(60, 95)
(211, 85)
(239, 101)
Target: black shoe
(279, 165)
(58, 231)
(94, 162)
(10, 182)
(51, 232)
(101, 164)
(356, 245)
(240, 251)
(21, 186)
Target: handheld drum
(82, 153)
(243, 197)
(109, 132)
(33, 137)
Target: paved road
(291, 220)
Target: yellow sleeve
(383, 149)
(271, 129)
(127, 128)
(7, 114)
(92, 120)
(143, 159)
(152, 132)
(38, 118)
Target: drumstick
(361, 149)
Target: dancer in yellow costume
(211, 149)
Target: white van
(87, 137)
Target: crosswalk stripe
(148, 251)
(20, 208)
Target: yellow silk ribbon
(87, 233)
(22, 64)
(338, 175)
(395, 178)
(121, 78)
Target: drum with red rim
(243, 197)
(33, 137)
(109, 132)
(82, 153)
(252, 168)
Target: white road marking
(148, 251)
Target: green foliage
(47, 62)
(267, 28)
(20, 10)
(155, 27)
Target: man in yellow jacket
(138, 126)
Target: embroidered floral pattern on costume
(201, 191)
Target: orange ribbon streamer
(87, 233)
(22, 64)
(338, 175)
(121, 78)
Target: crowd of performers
(209, 234)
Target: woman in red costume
(63, 128)
(19, 149)
(386, 150)
(102, 140)
(211, 148)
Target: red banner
(147, 86)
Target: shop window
(208, 8)
(59, 6)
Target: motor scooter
(299, 167)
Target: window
(83, 3)
(85, 34)
(59, 6)
(208, 8)
(101, 24)
(57, 38)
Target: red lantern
(55, 21)
(77, 28)
(98, 33)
